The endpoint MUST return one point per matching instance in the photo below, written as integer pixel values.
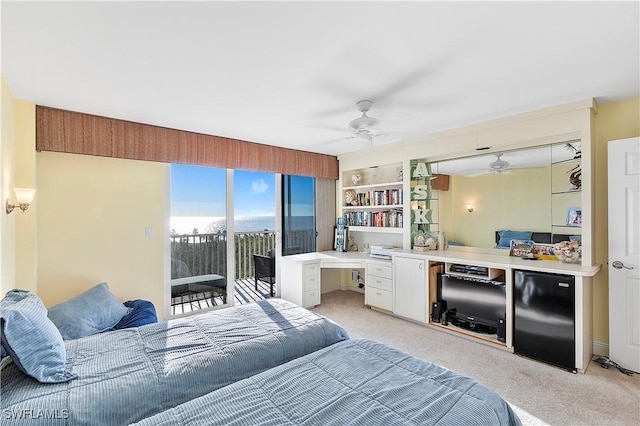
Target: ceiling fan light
(363, 135)
(499, 165)
(363, 123)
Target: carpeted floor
(540, 394)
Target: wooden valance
(73, 132)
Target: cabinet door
(410, 288)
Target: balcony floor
(245, 292)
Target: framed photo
(574, 216)
(342, 236)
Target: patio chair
(265, 269)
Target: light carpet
(540, 394)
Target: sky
(200, 191)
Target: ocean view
(205, 225)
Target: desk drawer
(311, 282)
(380, 298)
(379, 283)
(384, 271)
(342, 265)
(310, 298)
(311, 269)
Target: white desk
(300, 274)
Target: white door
(624, 253)
(410, 288)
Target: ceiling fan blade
(332, 128)
(333, 112)
(402, 84)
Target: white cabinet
(410, 288)
(306, 295)
(379, 285)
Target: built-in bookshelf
(372, 199)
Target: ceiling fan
(497, 166)
(364, 127)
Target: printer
(381, 251)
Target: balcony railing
(202, 254)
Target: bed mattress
(127, 375)
(355, 382)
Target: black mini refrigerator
(544, 318)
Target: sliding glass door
(198, 224)
(226, 226)
(298, 215)
(254, 218)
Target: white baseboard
(350, 288)
(600, 349)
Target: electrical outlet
(354, 275)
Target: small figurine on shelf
(356, 179)
(568, 251)
(400, 175)
(574, 178)
(352, 245)
(350, 198)
(420, 242)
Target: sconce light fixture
(469, 208)
(24, 196)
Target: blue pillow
(142, 313)
(507, 236)
(30, 338)
(93, 311)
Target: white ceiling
(289, 73)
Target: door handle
(619, 265)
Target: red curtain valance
(73, 132)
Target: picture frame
(344, 237)
(574, 216)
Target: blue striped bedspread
(127, 375)
(355, 382)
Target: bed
(126, 375)
(352, 382)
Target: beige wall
(25, 174)
(528, 210)
(92, 217)
(7, 167)
(17, 168)
(615, 120)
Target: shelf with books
(389, 197)
(392, 218)
(375, 229)
(377, 207)
(372, 202)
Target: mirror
(532, 190)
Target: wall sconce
(24, 196)
(469, 208)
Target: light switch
(148, 232)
